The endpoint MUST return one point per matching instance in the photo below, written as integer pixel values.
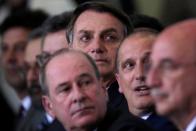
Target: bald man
(173, 72)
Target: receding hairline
(142, 34)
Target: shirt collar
(146, 116)
(191, 125)
(26, 102)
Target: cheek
(126, 80)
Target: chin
(86, 121)
(163, 110)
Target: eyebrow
(85, 31)
(60, 86)
(127, 60)
(109, 30)
(84, 75)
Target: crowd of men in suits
(97, 69)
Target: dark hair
(44, 63)
(36, 33)
(26, 19)
(102, 8)
(145, 21)
(55, 24)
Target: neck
(107, 81)
(140, 112)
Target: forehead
(69, 65)
(136, 45)
(55, 41)
(91, 20)
(173, 49)
(33, 49)
(15, 34)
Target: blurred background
(167, 11)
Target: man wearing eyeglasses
(173, 72)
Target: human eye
(110, 37)
(128, 65)
(168, 65)
(64, 88)
(85, 38)
(85, 81)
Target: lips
(158, 94)
(101, 60)
(142, 90)
(82, 111)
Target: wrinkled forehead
(91, 18)
(69, 61)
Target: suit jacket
(7, 113)
(160, 123)
(118, 120)
(116, 99)
(194, 129)
(55, 126)
(33, 120)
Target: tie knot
(21, 111)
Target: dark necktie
(21, 112)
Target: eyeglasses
(168, 66)
(43, 58)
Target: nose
(139, 73)
(78, 95)
(97, 46)
(153, 79)
(32, 74)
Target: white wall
(52, 6)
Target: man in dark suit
(74, 94)
(132, 64)
(173, 72)
(35, 118)
(98, 29)
(8, 113)
(53, 39)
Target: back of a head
(26, 19)
(55, 24)
(145, 21)
(100, 7)
(183, 32)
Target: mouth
(142, 90)
(82, 111)
(157, 93)
(101, 60)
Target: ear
(48, 106)
(119, 83)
